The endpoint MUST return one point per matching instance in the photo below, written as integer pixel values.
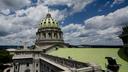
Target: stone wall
(22, 65)
(47, 67)
(66, 62)
(73, 65)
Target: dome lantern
(48, 15)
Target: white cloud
(98, 30)
(5, 11)
(72, 27)
(16, 25)
(117, 2)
(12, 26)
(14, 4)
(102, 29)
(110, 30)
(117, 18)
(76, 5)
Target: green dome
(48, 21)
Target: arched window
(27, 64)
(55, 35)
(49, 34)
(16, 67)
(60, 35)
(44, 35)
(8, 70)
(36, 65)
(27, 70)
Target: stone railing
(66, 62)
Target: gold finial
(48, 10)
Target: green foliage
(5, 57)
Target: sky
(91, 22)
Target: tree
(5, 57)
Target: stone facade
(124, 37)
(26, 61)
(29, 61)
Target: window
(44, 35)
(36, 65)
(27, 64)
(8, 70)
(27, 70)
(16, 66)
(36, 70)
(55, 34)
(47, 68)
(49, 34)
(52, 71)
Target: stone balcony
(74, 66)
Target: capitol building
(49, 37)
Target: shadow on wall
(122, 54)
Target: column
(37, 37)
(52, 35)
(40, 36)
(61, 35)
(46, 35)
(43, 36)
(58, 35)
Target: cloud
(117, 2)
(13, 4)
(15, 27)
(102, 30)
(27, 35)
(5, 12)
(117, 19)
(22, 25)
(75, 5)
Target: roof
(48, 21)
(37, 49)
(22, 56)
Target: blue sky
(94, 22)
(98, 7)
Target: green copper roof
(48, 21)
